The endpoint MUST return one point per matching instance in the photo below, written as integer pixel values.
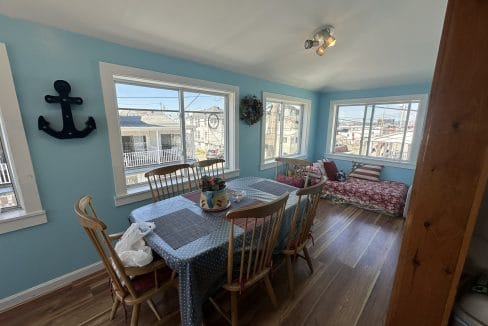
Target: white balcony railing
(143, 158)
(4, 175)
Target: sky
(382, 111)
(144, 97)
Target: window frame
(112, 73)
(30, 212)
(416, 140)
(304, 126)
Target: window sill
(272, 163)
(369, 160)
(142, 192)
(19, 219)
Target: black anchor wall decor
(69, 130)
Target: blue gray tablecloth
(201, 264)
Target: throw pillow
(366, 172)
(320, 165)
(330, 169)
(341, 176)
(314, 171)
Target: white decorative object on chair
(132, 249)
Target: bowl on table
(237, 195)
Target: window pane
(349, 129)
(367, 127)
(377, 129)
(7, 192)
(204, 126)
(150, 127)
(387, 130)
(412, 120)
(272, 130)
(291, 129)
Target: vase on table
(213, 194)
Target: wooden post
(451, 175)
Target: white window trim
(417, 137)
(109, 73)
(24, 180)
(307, 105)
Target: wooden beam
(451, 175)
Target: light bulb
(321, 50)
(331, 41)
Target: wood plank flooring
(355, 255)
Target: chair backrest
(96, 231)
(212, 167)
(250, 258)
(169, 181)
(304, 215)
(284, 165)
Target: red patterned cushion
(388, 196)
(367, 172)
(330, 169)
(294, 181)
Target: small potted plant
(214, 194)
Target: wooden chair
(212, 167)
(249, 260)
(300, 233)
(292, 168)
(129, 285)
(169, 181)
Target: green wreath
(251, 109)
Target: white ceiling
(379, 42)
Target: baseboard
(47, 287)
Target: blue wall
(388, 173)
(68, 169)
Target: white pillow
(320, 165)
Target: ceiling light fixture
(323, 38)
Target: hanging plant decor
(251, 109)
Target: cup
(237, 195)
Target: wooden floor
(354, 255)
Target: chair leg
(309, 260)
(153, 308)
(291, 281)
(234, 309)
(135, 314)
(219, 310)
(269, 289)
(115, 306)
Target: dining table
(194, 242)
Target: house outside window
(157, 119)
(382, 130)
(285, 118)
(20, 205)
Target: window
(134, 144)
(157, 119)
(8, 198)
(285, 119)
(381, 129)
(20, 205)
